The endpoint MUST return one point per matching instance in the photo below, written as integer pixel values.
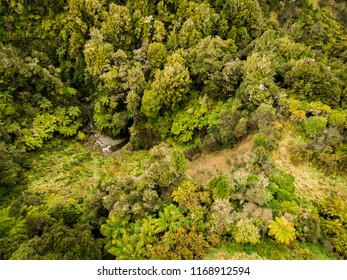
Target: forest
(173, 129)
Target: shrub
(262, 117)
(246, 232)
(334, 223)
(166, 166)
(283, 179)
(315, 125)
(220, 187)
(284, 195)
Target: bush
(220, 187)
(334, 223)
(315, 125)
(283, 179)
(283, 195)
(246, 232)
(166, 166)
(262, 117)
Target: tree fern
(282, 230)
(73, 111)
(45, 104)
(19, 227)
(168, 219)
(6, 223)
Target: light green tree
(117, 27)
(169, 88)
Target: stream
(95, 140)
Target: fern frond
(282, 230)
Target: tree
(220, 187)
(258, 85)
(117, 27)
(157, 54)
(190, 197)
(136, 82)
(159, 31)
(319, 30)
(334, 223)
(245, 19)
(61, 243)
(166, 167)
(221, 214)
(200, 15)
(313, 80)
(125, 197)
(207, 61)
(11, 168)
(180, 245)
(131, 242)
(282, 230)
(169, 88)
(188, 36)
(170, 218)
(262, 117)
(97, 53)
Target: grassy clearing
(310, 183)
(72, 171)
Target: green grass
(318, 252)
(269, 249)
(71, 170)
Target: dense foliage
(178, 78)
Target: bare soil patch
(207, 166)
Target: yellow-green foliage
(334, 214)
(246, 231)
(203, 73)
(282, 230)
(220, 187)
(157, 54)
